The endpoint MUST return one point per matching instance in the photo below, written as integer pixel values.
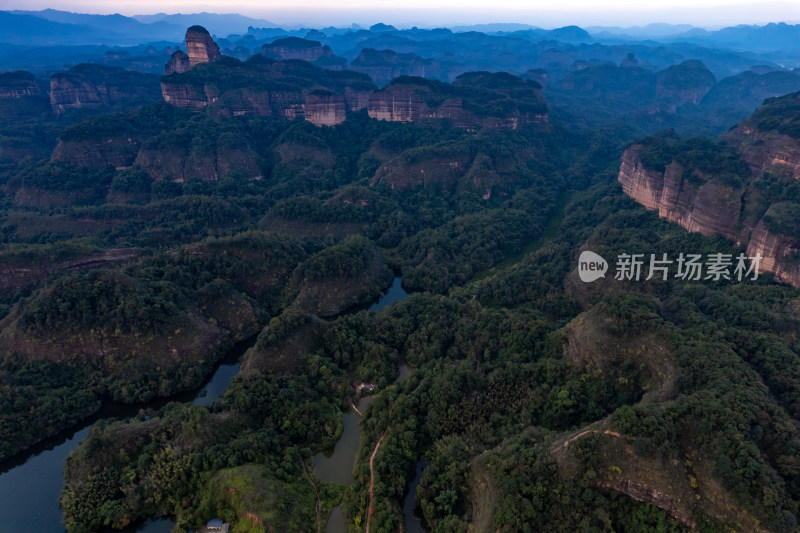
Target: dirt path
(318, 505)
(606, 432)
(372, 478)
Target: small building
(217, 525)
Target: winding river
(336, 466)
(30, 483)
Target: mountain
(113, 25)
(36, 31)
(220, 24)
(767, 38)
(744, 189)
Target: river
(336, 466)
(30, 483)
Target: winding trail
(372, 477)
(310, 478)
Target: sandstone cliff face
(712, 209)
(708, 209)
(356, 99)
(296, 48)
(69, 93)
(385, 65)
(14, 85)
(405, 102)
(21, 97)
(207, 163)
(201, 47)
(781, 253)
(768, 151)
(183, 95)
(88, 86)
(325, 109)
(179, 62)
(118, 152)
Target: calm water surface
(30, 484)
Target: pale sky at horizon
(429, 13)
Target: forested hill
(149, 240)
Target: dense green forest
(535, 401)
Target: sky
(430, 13)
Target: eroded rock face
(780, 253)
(21, 97)
(201, 47)
(18, 85)
(385, 65)
(643, 493)
(711, 208)
(707, 209)
(765, 151)
(97, 86)
(405, 102)
(183, 95)
(179, 62)
(296, 48)
(325, 109)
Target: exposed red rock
(713, 208)
(201, 47)
(708, 209)
(179, 62)
(97, 86)
(404, 101)
(325, 109)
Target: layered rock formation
(385, 65)
(766, 150)
(709, 208)
(179, 62)
(409, 99)
(261, 86)
(21, 96)
(296, 48)
(739, 209)
(293, 88)
(201, 47)
(88, 86)
(325, 109)
(18, 84)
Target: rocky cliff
(744, 188)
(88, 86)
(296, 48)
(200, 46)
(14, 275)
(707, 208)
(261, 86)
(385, 65)
(179, 62)
(21, 96)
(473, 101)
